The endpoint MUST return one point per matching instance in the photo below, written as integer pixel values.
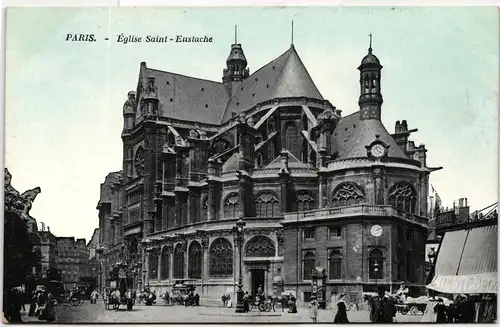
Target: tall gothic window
(232, 206)
(153, 264)
(195, 260)
(376, 264)
(271, 154)
(271, 125)
(291, 138)
(403, 197)
(178, 262)
(347, 194)
(221, 258)
(335, 265)
(165, 264)
(260, 246)
(267, 204)
(305, 201)
(308, 265)
(158, 223)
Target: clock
(376, 231)
(378, 150)
(139, 161)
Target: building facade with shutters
(313, 187)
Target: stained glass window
(153, 264)
(165, 264)
(403, 197)
(347, 194)
(305, 201)
(267, 204)
(260, 246)
(195, 260)
(232, 206)
(178, 262)
(221, 258)
(291, 139)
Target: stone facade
(73, 259)
(266, 147)
(48, 245)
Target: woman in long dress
(341, 315)
(313, 305)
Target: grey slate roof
(285, 76)
(189, 98)
(193, 99)
(352, 135)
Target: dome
(370, 58)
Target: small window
(335, 232)
(203, 89)
(168, 83)
(206, 106)
(310, 233)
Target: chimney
(397, 128)
(461, 202)
(48, 229)
(43, 226)
(466, 202)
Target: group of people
(459, 311)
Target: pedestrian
(341, 315)
(440, 310)
(224, 299)
(389, 309)
(229, 302)
(292, 305)
(313, 305)
(374, 308)
(246, 299)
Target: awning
(467, 262)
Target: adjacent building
(315, 189)
(73, 259)
(48, 245)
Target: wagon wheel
(404, 310)
(267, 307)
(414, 310)
(74, 301)
(116, 306)
(261, 306)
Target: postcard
(251, 165)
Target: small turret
(129, 112)
(236, 69)
(370, 99)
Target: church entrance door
(257, 280)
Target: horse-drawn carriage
(413, 306)
(119, 293)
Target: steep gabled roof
(286, 76)
(293, 162)
(352, 135)
(189, 98)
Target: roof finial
(292, 33)
(370, 48)
(235, 34)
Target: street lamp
(376, 269)
(238, 231)
(432, 254)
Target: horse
(282, 300)
(94, 297)
(115, 299)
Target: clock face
(376, 230)
(378, 150)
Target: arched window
(153, 264)
(221, 258)
(139, 161)
(376, 264)
(165, 264)
(271, 125)
(347, 194)
(258, 159)
(271, 154)
(195, 260)
(178, 262)
(305, 201)
(291, 138)
(335, 265)
(232, 206)
(260, 246)
(308, 265)
(403, 197)
(267, 204)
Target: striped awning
(467, 262)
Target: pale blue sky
(64, 99)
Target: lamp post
(376, 269)
(238, 231)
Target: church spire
(236, 63)
(370, 99)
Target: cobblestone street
(88, 313)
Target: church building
(316, 190)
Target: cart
(413, 306)
(119, 293)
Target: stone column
(186, 264)
(210, 202)
(159, 264)
(171, 263)
(204, 244)
(284, 180)
(146, 267)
